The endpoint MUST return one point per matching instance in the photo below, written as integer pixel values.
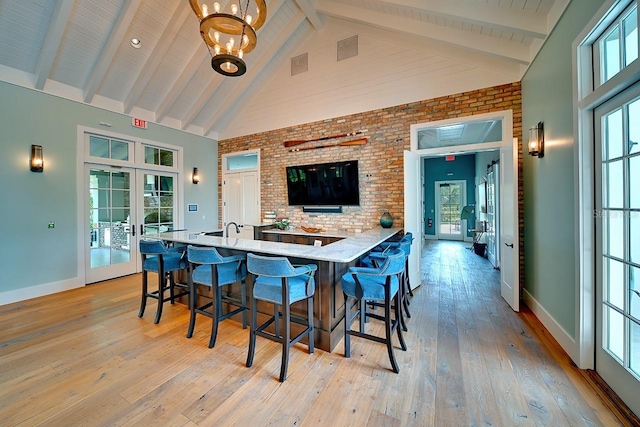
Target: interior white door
(413, 214)
(509, 259)
(241, 199)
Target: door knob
(509, 245)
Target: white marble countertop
(346, 250)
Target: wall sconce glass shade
(37, 164)
(536, 140)
(196, 176)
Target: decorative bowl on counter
(312, 229)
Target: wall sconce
(196, 176)
(37, 164)
(536, 140)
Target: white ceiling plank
(195, 63)
(79, 50)
(478, 42)
(168, 35)
(106, 56)
(198, 104)
(49, 50)
(225, 106)
(556, 12)
(512, 20)
(455, 53)
(310, 11)
(245, 100)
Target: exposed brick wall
(380, 160)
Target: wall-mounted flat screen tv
(325, 184)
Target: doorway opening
(463, 136)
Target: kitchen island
(332, 259)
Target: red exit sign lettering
(450, 158)
(139, 123)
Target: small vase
(386, 220)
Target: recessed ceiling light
(135, 43)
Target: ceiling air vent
(348, 48)
(299, 64)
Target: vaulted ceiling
(408, 50)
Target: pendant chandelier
(229, 36)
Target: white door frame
(581, 344)
(226, 173)
(507, 142)
(137, 162)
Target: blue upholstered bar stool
(215, 271)
(375, 284)
(406, 238)
(281, 284)
(163, 260)
(376, 257)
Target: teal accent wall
(31, 254)
(548, 183)
(463, 168)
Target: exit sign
(450, 158)
(139, 123)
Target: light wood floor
(82, 357)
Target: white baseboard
(23, 294)
(566, 341)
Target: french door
(450, 199)
(617, 216)
(111, 244)
(124, 204)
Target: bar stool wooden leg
(192, 303)
(310, 322)
(216, 308)
(286, 338)
(388, 332)
(252, 331)
(161, 286)
(347, 327)
(145, 290)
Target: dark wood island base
(333, 258)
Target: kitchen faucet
(237, 228)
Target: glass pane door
(111, 243)
(449, 199)
(159, 202)
(493, 236)
(618, 246)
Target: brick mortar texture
(380, 160)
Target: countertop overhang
(352, 245)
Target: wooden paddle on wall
(360, 141)
(295, 142)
